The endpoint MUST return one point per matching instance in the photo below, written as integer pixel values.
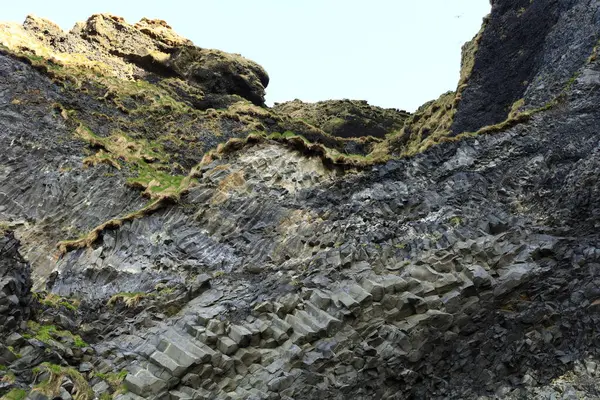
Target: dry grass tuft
(57, 373)
(92, 236)
(131, 300)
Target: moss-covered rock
(112, 47)
(346, 118)
(218, 72)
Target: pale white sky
(393, 53)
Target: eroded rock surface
(110, 44)
(529, 50)
(15, 285)
(264, 269)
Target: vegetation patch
(15, 394)
(114, 379)
(131, 300)
(49, 333)
(329, 156)
(56, 374)
(9, 378)
(147, 160)
(56, 301)
(455, 221)
(430, 122)
(594, 56)
(94, 234)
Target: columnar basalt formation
(165, 235)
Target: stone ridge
(129, 51)
(346, 118)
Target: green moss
(15, 394)
(147, 160)
(571, 81)
(12, 350)
(515, 108)
(164, 290)
(56, 301)
(296, 282)
(455, 221)
(49, 333)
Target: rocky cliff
(167, 236)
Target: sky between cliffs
(393, 53)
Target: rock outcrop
(346, 118)
(108, 43)
(529, 52)
(15, 285)
(187, 243)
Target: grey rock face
(15, 288)
(469, 271)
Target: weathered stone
(374, 288)
(516, 276)
(285, 226)
(240, 335)
(226, 345)
(280, 383)
(101, 387)
(143, 383)
(479, 276)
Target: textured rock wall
(15, 286)
(470, 270)
(529, 50)
(455, 274)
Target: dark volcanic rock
(346, 118)
(262, 270)
(15, 285)
(529, 50)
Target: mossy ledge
(94, 234)
(381, 152)
(330, 157)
